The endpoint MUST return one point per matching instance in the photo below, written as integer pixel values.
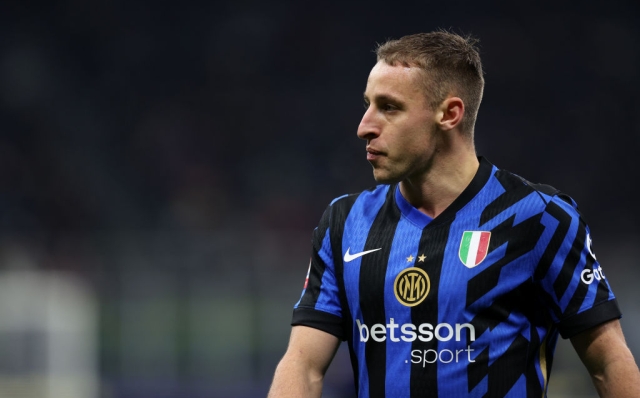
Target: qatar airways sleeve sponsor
(589, 275)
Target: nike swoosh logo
(349, 257)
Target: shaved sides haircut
(451, 65)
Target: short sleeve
(573, 283)
(319, 305)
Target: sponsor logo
(474, 247)
(408, 332)
(350, 257)
(588, 275)
(589, 243)
(411, 286)
(444, 356)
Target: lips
(373, 153)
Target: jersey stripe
(311, 294)
(554, 217)
(339, 220)
(404, 253)
(562, 283)
(434, 236)
(358, 223)
(510, 193)
(372, 283)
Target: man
(452, 278)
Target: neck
(435, 189)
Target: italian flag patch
(474, 247)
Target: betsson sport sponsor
(408, 332)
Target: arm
(604, 352)
(301, 370)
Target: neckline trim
(485, 170)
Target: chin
(385, 178)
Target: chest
(456, 269)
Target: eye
(365, 104)
(388, 107)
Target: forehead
(396, 80)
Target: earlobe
(450, 113)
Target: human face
(398, 124)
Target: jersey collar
(422, 220)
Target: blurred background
(162, 166)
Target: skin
(434, 161)
(410, 143)
(605, 354)
(301, 371)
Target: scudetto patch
(474, 247)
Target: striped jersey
(468, 304)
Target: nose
(369, 126)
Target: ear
(450, 113)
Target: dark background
(173, 158)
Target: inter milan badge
(474, 247)
(411, 286)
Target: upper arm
(609, 361)
(311, 348)
(601, 345)
(301, 371)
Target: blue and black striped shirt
(468, 304)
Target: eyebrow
(383, 97)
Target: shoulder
(543, 194)
(367, 201)
(373, 194)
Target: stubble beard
(390, 174)
(396, 173)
